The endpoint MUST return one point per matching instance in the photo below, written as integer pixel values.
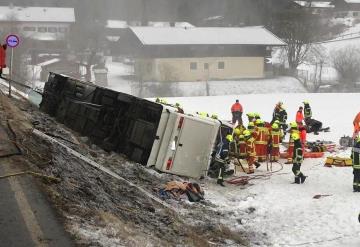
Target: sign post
(12, 41)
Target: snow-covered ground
(285, 214)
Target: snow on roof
(37, 14)
(116, 24)
(206, 35)
(352, 1)
(316, 4)
(123, 24)
(51, 61)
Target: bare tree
(346, 61)
(298, 28)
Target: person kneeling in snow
(355, 155)
(297, 158)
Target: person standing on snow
(250, 151)
(355, 155)
(222, 158)
(356, 123)
(2, 57)
(299, 116)
(297, 158)
(236, 111)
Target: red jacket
(2, 57)
(356, 123)
(299, 117)
(236, 107)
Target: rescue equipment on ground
(338, 161)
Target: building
(322, 8)
(42, 24)
(201, 54)
(347, 8)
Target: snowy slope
(276, 212)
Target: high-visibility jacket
(299, 116)
(307, 111)
(236, 107)
(355, 155)
(262, 135)
(356, 123)
(275, 137)
(242, 147)
(250, 147)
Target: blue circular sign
(12, 40)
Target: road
(26, 217)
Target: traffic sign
(12, 40)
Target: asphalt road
(26, 217)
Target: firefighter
(299, 116)
(250, 150)
(307, 110)
(297, 158)
(276, 112)
(274, 142)
(242, 147)
(283, 118)
(293, 129)
(355, 155)
(251, 117)
(251, 127)
(233, 145)
(236, 111)
(222, 159)
(261, 141)
(179, 108)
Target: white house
(37, 23)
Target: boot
(257, 165)
(220, 182)
(297, 180)
(302, 178)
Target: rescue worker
(276, 112)
(222, 159)
(299, 116)
(233, 147)
(355, 155)
(251, 117)
(283, 118)
(312, 125)
(179, 108)
(356, 124)
(307, 110)
(293, 129)
(236, 111)
(297, 158)
(242, 147)
(251, 127)
(274, 143)
(250, 150)
(261, 141)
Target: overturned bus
(147, 132)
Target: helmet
(258, 121)
(247, 133)
(214, 116)
(237, 131)
(177, 104)
(251, 125)
(274, 126)
(293, 125)
(257, 115)
(280, 103)
(295, 136)
(241, 136)
(229, 138)
(250, 114)
(305, 102)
